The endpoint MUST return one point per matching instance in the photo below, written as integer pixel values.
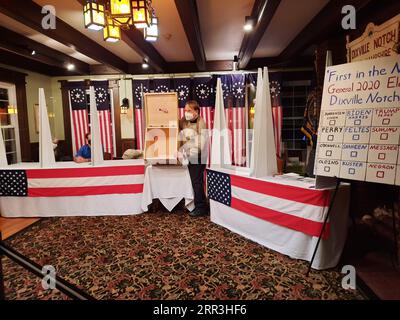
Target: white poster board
(359, 131)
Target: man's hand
(81, 160)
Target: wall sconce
(12, 109)
(125, 106)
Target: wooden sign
(359, 132)
(161, 134)
(376, 42)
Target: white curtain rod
(206, 74)
(179, 75)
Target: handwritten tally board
(359, 130)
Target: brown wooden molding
(29, 13)
(23, 46)
(18, 61)
(324, 25)
(263, 11)
(188, 13)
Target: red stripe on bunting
(139, 128)
(308, 227)
(85, 191)
(84, 172)
(308, 196)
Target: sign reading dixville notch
(376, 42)
(359, 130)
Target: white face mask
(189, 116)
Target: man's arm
(79, 157)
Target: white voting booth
(48, 189)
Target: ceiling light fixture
(249, 24)
(33, 52)
(124, 14)
(151, 34)
(145, 64)
(235, 63)
(70, 67)
(94, 15)
(111, 32)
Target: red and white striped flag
(139, 88)
(79, 116)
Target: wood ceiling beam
(263, 11)
(189, 15)
(24, 46)
(19, 61)
(29, 13)
(324, 24)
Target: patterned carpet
(161, 256)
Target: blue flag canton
(203, 91)
(102, 98)
(219, 187)
(139, 87)
(162, 85)
(78, 98)
(13, 183)
(182, 87)
(234, 90)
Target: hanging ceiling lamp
(94, 15)
(121, 12)
(112, 32)
(151, 33)
(114, 15)
(141, 14)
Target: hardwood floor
(10, 226)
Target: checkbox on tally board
(352, 171)
(356, 137)
(329, 153)
(380, 174)
(384, 136)
(357, 122)
(331, 137)
(332, 122)
(385, 121)
(353, 154)
(327, 169)
(382, 156)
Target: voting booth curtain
(80, 118)
(203, 89)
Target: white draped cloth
(169, 184)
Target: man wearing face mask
(84, 154)
(194, 138)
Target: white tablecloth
(169, 184)
(293, 243)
